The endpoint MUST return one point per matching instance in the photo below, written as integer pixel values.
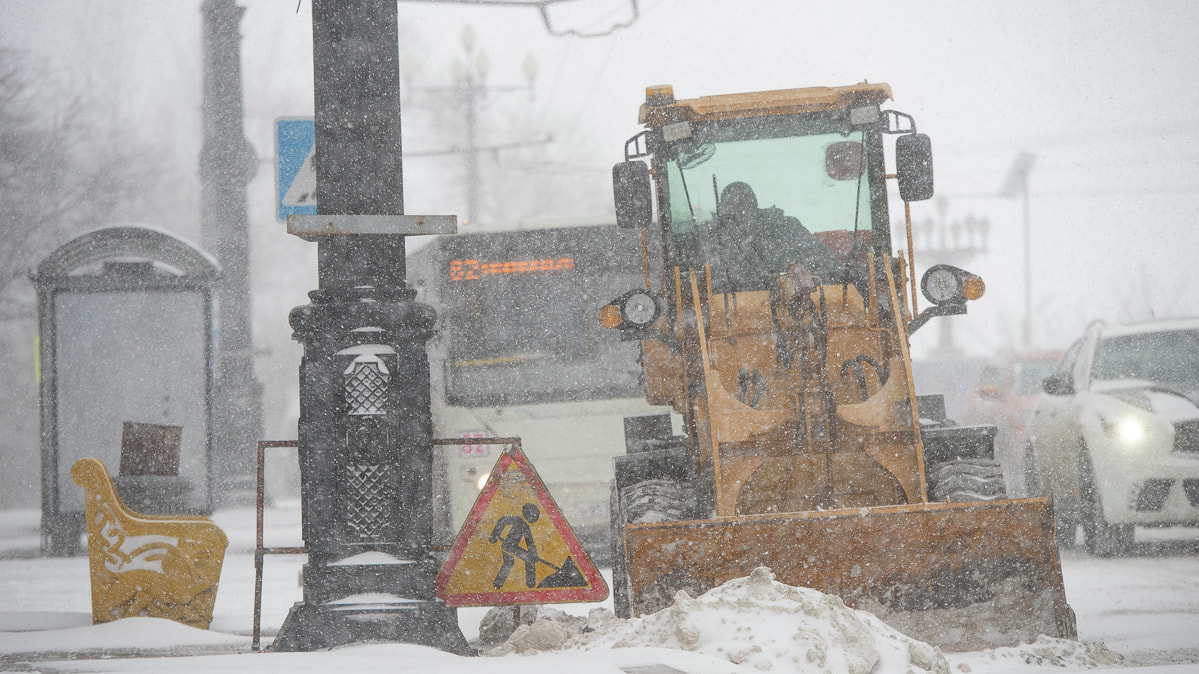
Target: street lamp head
(468, 39)
(1016, 182)
(409, 68)
(530, 67)
(482, 64)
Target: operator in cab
(754, 245)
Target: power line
(1078, 193)
(1119, 193)
(1082, 138)
(543, 7)
(545, 17)
(479, 149)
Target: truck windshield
(750, 208)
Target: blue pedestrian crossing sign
(295, 167)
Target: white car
(1115, 437)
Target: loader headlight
(946, 284)
(636, 310)
(640, 309)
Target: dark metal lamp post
(365, 430)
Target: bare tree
(59, 177)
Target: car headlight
(1128, 430)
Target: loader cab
(750, 186)
(748, 198)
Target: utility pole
(365, 431)
(227, 164)
(468, 93)
(470, 79)
(1016, 185)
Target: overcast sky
(1102, 93)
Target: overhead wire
(1082, 138)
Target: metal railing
(260, 551)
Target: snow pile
(755, 621)
(1044, 652)
(136, 635)
(1016, 615)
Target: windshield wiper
(857, 213)
(687, 196)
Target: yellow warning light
(661, 94)
(610, 317)
(973, 287)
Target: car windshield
(1167, 358)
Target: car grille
(1186, 437)
(1153, 495)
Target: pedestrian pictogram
(516, 547)
(295, 167)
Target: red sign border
(598, 590)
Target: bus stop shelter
(127, 339)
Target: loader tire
(648, 501)
(1032, 475)
(1067, 532)
(1066, 526)
(1102, 538)
(657, 501)
(961, 479)
(620, 572)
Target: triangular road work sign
(516, 547)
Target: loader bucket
(962, 576)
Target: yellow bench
(147, 565)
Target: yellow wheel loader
(774, 321)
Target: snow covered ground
(1134, 614)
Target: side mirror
(914, 166)
(1058, 384)
(845, 160)
(632, 194)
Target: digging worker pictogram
(511, 544)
